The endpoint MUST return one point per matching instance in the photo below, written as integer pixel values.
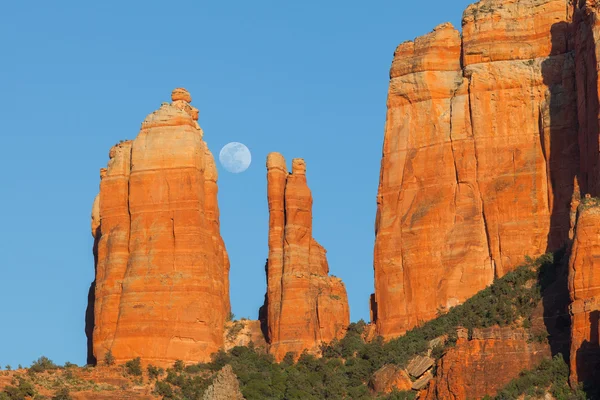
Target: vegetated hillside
(347, 365)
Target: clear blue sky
(305, 78)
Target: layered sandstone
(584, 287)
(304, 306)
(479, 157)
(162, 288)
(485, 364)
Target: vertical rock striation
(162, 287)
(482, 366)
(479, 157)
(304, 306)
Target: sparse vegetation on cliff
(134, 367)
(551, 376)
(348, 364)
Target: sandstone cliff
(483, 365)
(304, 306)
(162, 287)
(584, 287)
(479, 157)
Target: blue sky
(307, 79)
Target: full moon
(235, 157)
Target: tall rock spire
(305, 306)
(162, 272)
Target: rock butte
(479, 157)
(303, 306)
(488, 136)
(162, 272)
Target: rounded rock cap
(276, 160)
(181, 94)
(298, 166)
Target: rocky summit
(162, 273)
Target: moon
(235, 157)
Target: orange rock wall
(584, 287)
(162, 288)
(482, 366)
(305, 306)
(479, 157)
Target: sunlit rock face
(162, 271)
(479, 157)
(304, 306)
(485, 364)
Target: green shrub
(179, 366)
(62, 394)
(109, 359)
(42, 364)
(23, 390)
(134, 367)
(164, 389)
(154, 372)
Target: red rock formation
(478, 158)
(162, 270)
(242, 333)
(482, 366)
(304, 306)
(584, 287)
(389, 378)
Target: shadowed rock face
(584, 287)
(162, 286)
(304, 306)
(479, 157)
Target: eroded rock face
(389, 378)
(244, 332)
(304, 306)
(584, 287)
(479, 157)
(224, 387)
(484, 365)
(162, 287)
